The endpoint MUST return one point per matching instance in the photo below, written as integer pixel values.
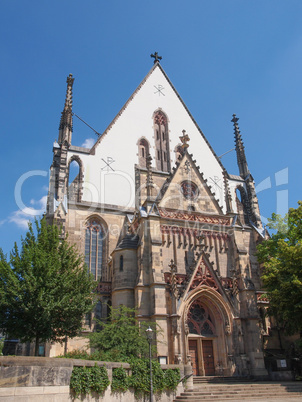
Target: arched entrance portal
(201, 323)
(208, 330)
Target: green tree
(281, 256)
(121, 338)
(44, 289)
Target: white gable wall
(120, 144)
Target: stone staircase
(239, 389)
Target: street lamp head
(149, 333)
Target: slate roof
(129, 241)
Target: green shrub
(82, 354)
(162, 380)
(99, 379)
(140, 378)
(1, 346)
(158, 377)
(171, 378)
(76, 354)
(120, 380)
(85, 380)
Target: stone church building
(166, 229)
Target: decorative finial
(235, 119)
(184, 139)
(156, 57)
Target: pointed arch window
(161, 135)
(143, 152)
(199, 320)
(94, 247)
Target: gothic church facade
(166, 229)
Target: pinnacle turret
(65, 128)
(241, 159)
(149, 182)
(228, 197)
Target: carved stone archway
(207, 328)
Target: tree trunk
(37, 346)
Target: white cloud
(19, 218)
(3, 221)
(23, 216)
(89, 142)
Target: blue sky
(223, 57)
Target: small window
(165, 157)
(143, 151)
(191, 208)
(121, 263)
(163, 136)
(158, 155)
(157, 135)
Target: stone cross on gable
(156, 57)
(184, 139)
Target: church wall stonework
(179, 244)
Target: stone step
(249, 386)
(214, 379)
(257, 391)
(291, 398)
(241, 388)
(240, 398)
(237, 394)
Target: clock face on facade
(189, 190)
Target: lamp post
(149, 334)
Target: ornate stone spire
(227, 194)
(149, 182)
(65, 128)
(241, 159)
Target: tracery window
(94, 247)
(161, 135)
(199, 320)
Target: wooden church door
(194, 356)
(208, 357)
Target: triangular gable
(110, 165)
(155, 66)
(187, 190)
(203, 275)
